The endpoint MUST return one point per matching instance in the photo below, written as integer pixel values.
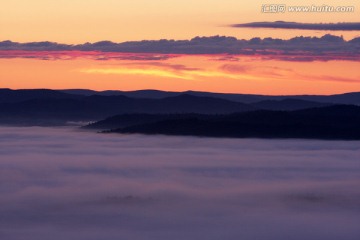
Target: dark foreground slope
(334, 122)
(127, 120)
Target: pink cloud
(95, 55)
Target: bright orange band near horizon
(213, 73)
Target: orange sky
(79, 21)
(202, 73)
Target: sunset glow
(258, 70)
(180, 73)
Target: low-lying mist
(62, 183)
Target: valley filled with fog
(64, 183)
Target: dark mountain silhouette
(83, 92)
(288, 104)
(342, 111)
(151, 94)
(125, 120)
(42, 106)
(334, 122)
(8, 95)
(95, 107)
(244, 98)
(346, 98)
(194, 104)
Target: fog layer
(61, 183)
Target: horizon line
(184, 91)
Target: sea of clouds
(62, 183)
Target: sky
(81, 21)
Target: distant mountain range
(346, 98)
(22, 107)
(127, 109)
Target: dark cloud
(328, 47)
(350, 26)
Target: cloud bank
(325, 48)
(64, 184)
(352, 26)
(95, 55)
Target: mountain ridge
(340, 122)
(45, 105)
